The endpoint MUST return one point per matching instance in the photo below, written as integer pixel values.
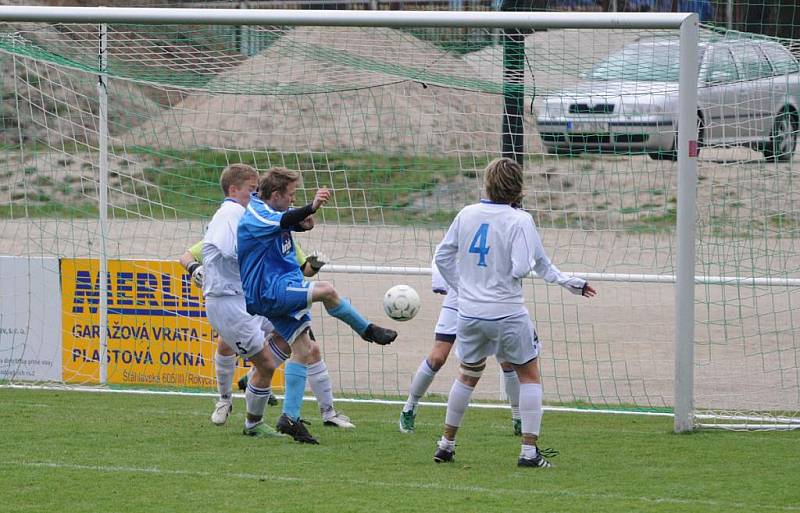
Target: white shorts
(511, 339)
(243, 333)
(447, 324)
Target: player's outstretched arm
(320, 198)
(292, 218)
(528, 255)
(305, 225)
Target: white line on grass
(491, 406)
(393, 484)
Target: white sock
(225, 367)
(419, 385)
(449, 445)
(256, 399)
(528, 451)
(320, 381)
(530, 407)
(511, 381)
(457, 403)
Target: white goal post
(685, 276)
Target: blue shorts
(285, 296)
(287, 305)
(289, 327)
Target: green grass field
(85, 452)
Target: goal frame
(687, 23)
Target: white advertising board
(30, 319)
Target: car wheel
(782, 140)
(672, 153)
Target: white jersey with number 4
(488, 250)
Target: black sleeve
(295, 215)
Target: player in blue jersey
(488, 250)
(225, 358)
(275, 287)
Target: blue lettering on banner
(123, 332)
(143, 293)
(145, 357)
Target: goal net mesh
(400, 125)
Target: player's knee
(324, 290)
(528, 372)
(438, 355)
(321, 288)
(263, 361)
(223, 349)
(301, 349)
(436, 360)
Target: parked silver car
(747, 96)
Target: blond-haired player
(275, 287)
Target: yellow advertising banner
(157, 331)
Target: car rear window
(780, 59)
(721, 68)
(751, 63)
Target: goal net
(399, 123)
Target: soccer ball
(401, 303)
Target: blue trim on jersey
(229, 199)
(490, 202)
(450, 308)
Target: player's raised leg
(343, 310)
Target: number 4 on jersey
(478, 244)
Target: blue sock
(295, 374)
(345, 312)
